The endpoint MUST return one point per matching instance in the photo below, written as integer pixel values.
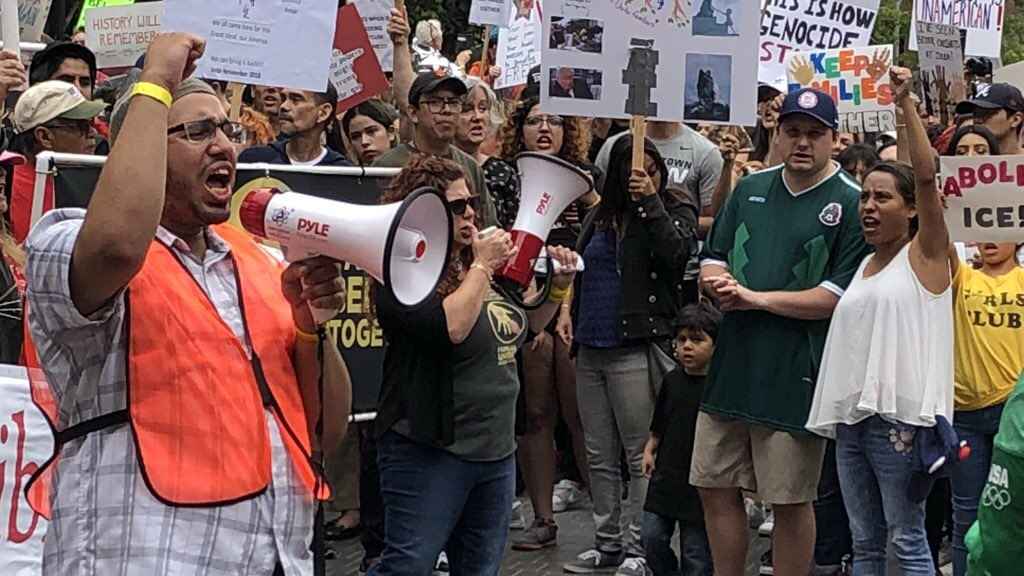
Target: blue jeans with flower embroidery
(875, 459)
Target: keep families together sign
(858, 81)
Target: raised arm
(932, 238)
(126, 208)
(403, 74)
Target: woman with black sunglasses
(446, 416)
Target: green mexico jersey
(765, 366)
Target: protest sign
(89, 5)
(355, 72)
(984, 197)
(375, 14)
(26, 443)
(118, 35)
(519, 45)
(987, 41)
(795, 25)
(489, 12)
(856, 78)
(676, 60)
(942, 70)
(285, 43)
(32, 18)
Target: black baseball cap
(766, 91)
(48, 60)
(430, 82)
(813, 103)
(993, 97)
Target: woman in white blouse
(887, 370)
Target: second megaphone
(404, 245)
(548, 186)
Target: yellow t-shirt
(988, 315)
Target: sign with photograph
(519, 45)
(489, 12)
(675, 60)
(355, 72)
(789, 26)
(982, 19)
(856, 78)
(375, 15)
(984, 197)
(941, 63)
(284, 43)
(32, 16)
(118, 35)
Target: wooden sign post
(237, 89)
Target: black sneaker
(593, 562)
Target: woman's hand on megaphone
(493, 250)
(567, 260)
(315, 282)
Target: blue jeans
(435, 501)
(978, 428)
(693, 543)
(875, 459)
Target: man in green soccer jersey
(778, 258)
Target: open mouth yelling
(219, 180)
(870, 224)
(544, 143)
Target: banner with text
(375, 14)
(982, 19)
(89, 5)
(355, 72)
(800, 25)
(984, 197)
(118, 35)
(941, 62)
(358, 337)
(489, 12)
(286, 43)
(856, 78)
(519, 49)
(25, 444)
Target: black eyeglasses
(553, 121)
(200, 131)
(436, 106)
(80, 126)
(458, 207)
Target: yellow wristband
(306, 336)
(154, 91)
(558, 295)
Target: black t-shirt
(675, 422)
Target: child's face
(693, 350)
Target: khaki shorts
(782, 468)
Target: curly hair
(575, 141)
(257, 125)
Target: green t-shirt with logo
(487, 382)
(765, 366)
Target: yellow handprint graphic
(801, 71)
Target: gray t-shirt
(487, 382)
(694, 164)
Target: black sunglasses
(458, 207)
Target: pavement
(575, 535)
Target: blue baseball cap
(813, 103)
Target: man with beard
(304, 118)
(435, 104)
(185, 359)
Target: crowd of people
(772, 324)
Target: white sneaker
(633, 567)
(768, 525)
(567, 495)
(441, 567)
(518, 521)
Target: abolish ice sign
(984, 197)
(286, 43)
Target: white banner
(980, 42)
(941, 61)
(796, 25)
(519, 50)
(984, 15)
(489, 12)
(118, 35)
(375, 15)
(25, 444)
(32, 16)
(285, 43)
(984, 197)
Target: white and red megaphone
(548, 186)
(404, 245)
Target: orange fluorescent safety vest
(195, 400)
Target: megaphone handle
(320, 316)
